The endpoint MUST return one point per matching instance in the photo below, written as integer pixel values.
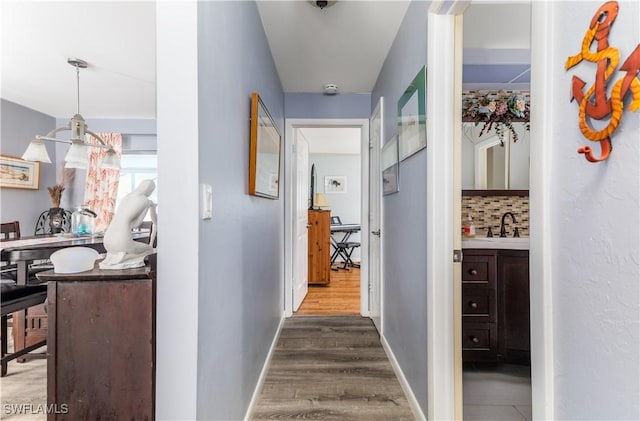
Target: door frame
(291, 125)
(443, 400)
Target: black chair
(16, 298)
(9, 231)
(43, 227)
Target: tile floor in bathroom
(496, 392)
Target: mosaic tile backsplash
(487, 210)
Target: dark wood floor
(331, 368)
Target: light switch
(206, 201)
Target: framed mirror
(264, 152)
(489, 164)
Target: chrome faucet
(503, 231)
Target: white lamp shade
(77, 156)
(36, 151)
(110, 160)
(320, 200)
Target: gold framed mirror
(264, 152)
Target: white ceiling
(117, 39)
(333, 140)
(344, 44)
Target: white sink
(510, 243)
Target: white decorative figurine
(122, 251)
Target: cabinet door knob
(473, 304)
(473, 272)
(475, 339)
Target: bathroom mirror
(488, 164)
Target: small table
(347, 230)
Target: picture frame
(390, 167)
(264, 152)
(16, 173)
(412, 121)
(335, 183)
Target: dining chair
(43, 227)
(9, 231)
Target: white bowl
(74, 259)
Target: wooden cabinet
(479, 306)
(319, 246)
(101, 345)
(514, 325)
(495, 306)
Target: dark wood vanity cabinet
(513, 294)
(495, 306)
(479, 311)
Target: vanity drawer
(479, 269)
(479, 342)
(479, 304)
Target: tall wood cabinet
(495, 306)
(101, 344)
(319, 246)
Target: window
(134, 168)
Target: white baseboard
(265, 369)
(413, 402)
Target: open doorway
(326, 204)
(495, 325)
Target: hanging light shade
(77, 157)
(36, 151)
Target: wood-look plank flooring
(330, 368)
(341, 296)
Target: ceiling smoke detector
(322, 3)
(330, 89)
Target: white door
(301, 218)
(375, 202)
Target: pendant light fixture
(78, 154)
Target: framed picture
(390, 167)
(16, 173)
(264, 152)
(412, 121)
(335, 184)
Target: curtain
(101, 188)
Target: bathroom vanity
(495, 300)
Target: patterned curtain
(101, 188)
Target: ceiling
(345, 44)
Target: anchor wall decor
(594, 102)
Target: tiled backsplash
(487, 210)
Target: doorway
(494, 322)
(338, 154)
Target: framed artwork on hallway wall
(264, 152)
(16, 173)
(390, 167)
(412, 120)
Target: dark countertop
(98, 274)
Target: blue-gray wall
(405, 223)
(242, 248)
(310, 105)
(19, 126)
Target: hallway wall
(592, 222)
(405, 224)
(316, 105)
(241, 268)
